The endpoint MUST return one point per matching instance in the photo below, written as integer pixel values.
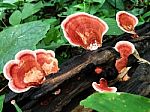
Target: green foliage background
(117, 102)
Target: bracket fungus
(103, 86)
(47, 61)
(85, 30)
(27, 70)
(127, 22)
(125, 48)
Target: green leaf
(27, 10)
(7, 5)
(71, 10)
(101, 2)
(137, 11)
(24, 36)
(51, 21)
(113, 28)
(2, 97)
(9, 1)
(117, 102)
(30, 0)
(135, 1)
(12, 1)
(52, 45)
(15, 18)
(30, 9)
(108, 10)
(2, 14)
(93, 10)
(38, 6)
(88, 1)
(97, 1)
(147, 14)
(117, 3)
(52, 35)
(31, 18)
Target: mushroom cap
(85, 30)
(19, 72)
(103, 87)
(47, 61)
(7, 66)
(125, 48)
(50, 52)
(16, 89)
(126, 21)
(26, 71)
(25, 53)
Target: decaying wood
(76, 75)
(139, 83)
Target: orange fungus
(26, 70)
(85, 30)
(103, 86)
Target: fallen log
(76, 75)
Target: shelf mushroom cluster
(29, 69)
(125, 48)
(87, 31)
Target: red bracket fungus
(47, 61)
(125, 48)
(127, 22)
(103, 86)
(85, 30)
(27, 69)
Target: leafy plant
(13, 20)
(113, 25)
(24, 36)
(1, 102)
(30, 9)
(117, 102)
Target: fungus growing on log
(85, 30)
(125, 48)
(127, 22)
(103, 86)
(121, 63)
(26, 71)
(47, 61)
